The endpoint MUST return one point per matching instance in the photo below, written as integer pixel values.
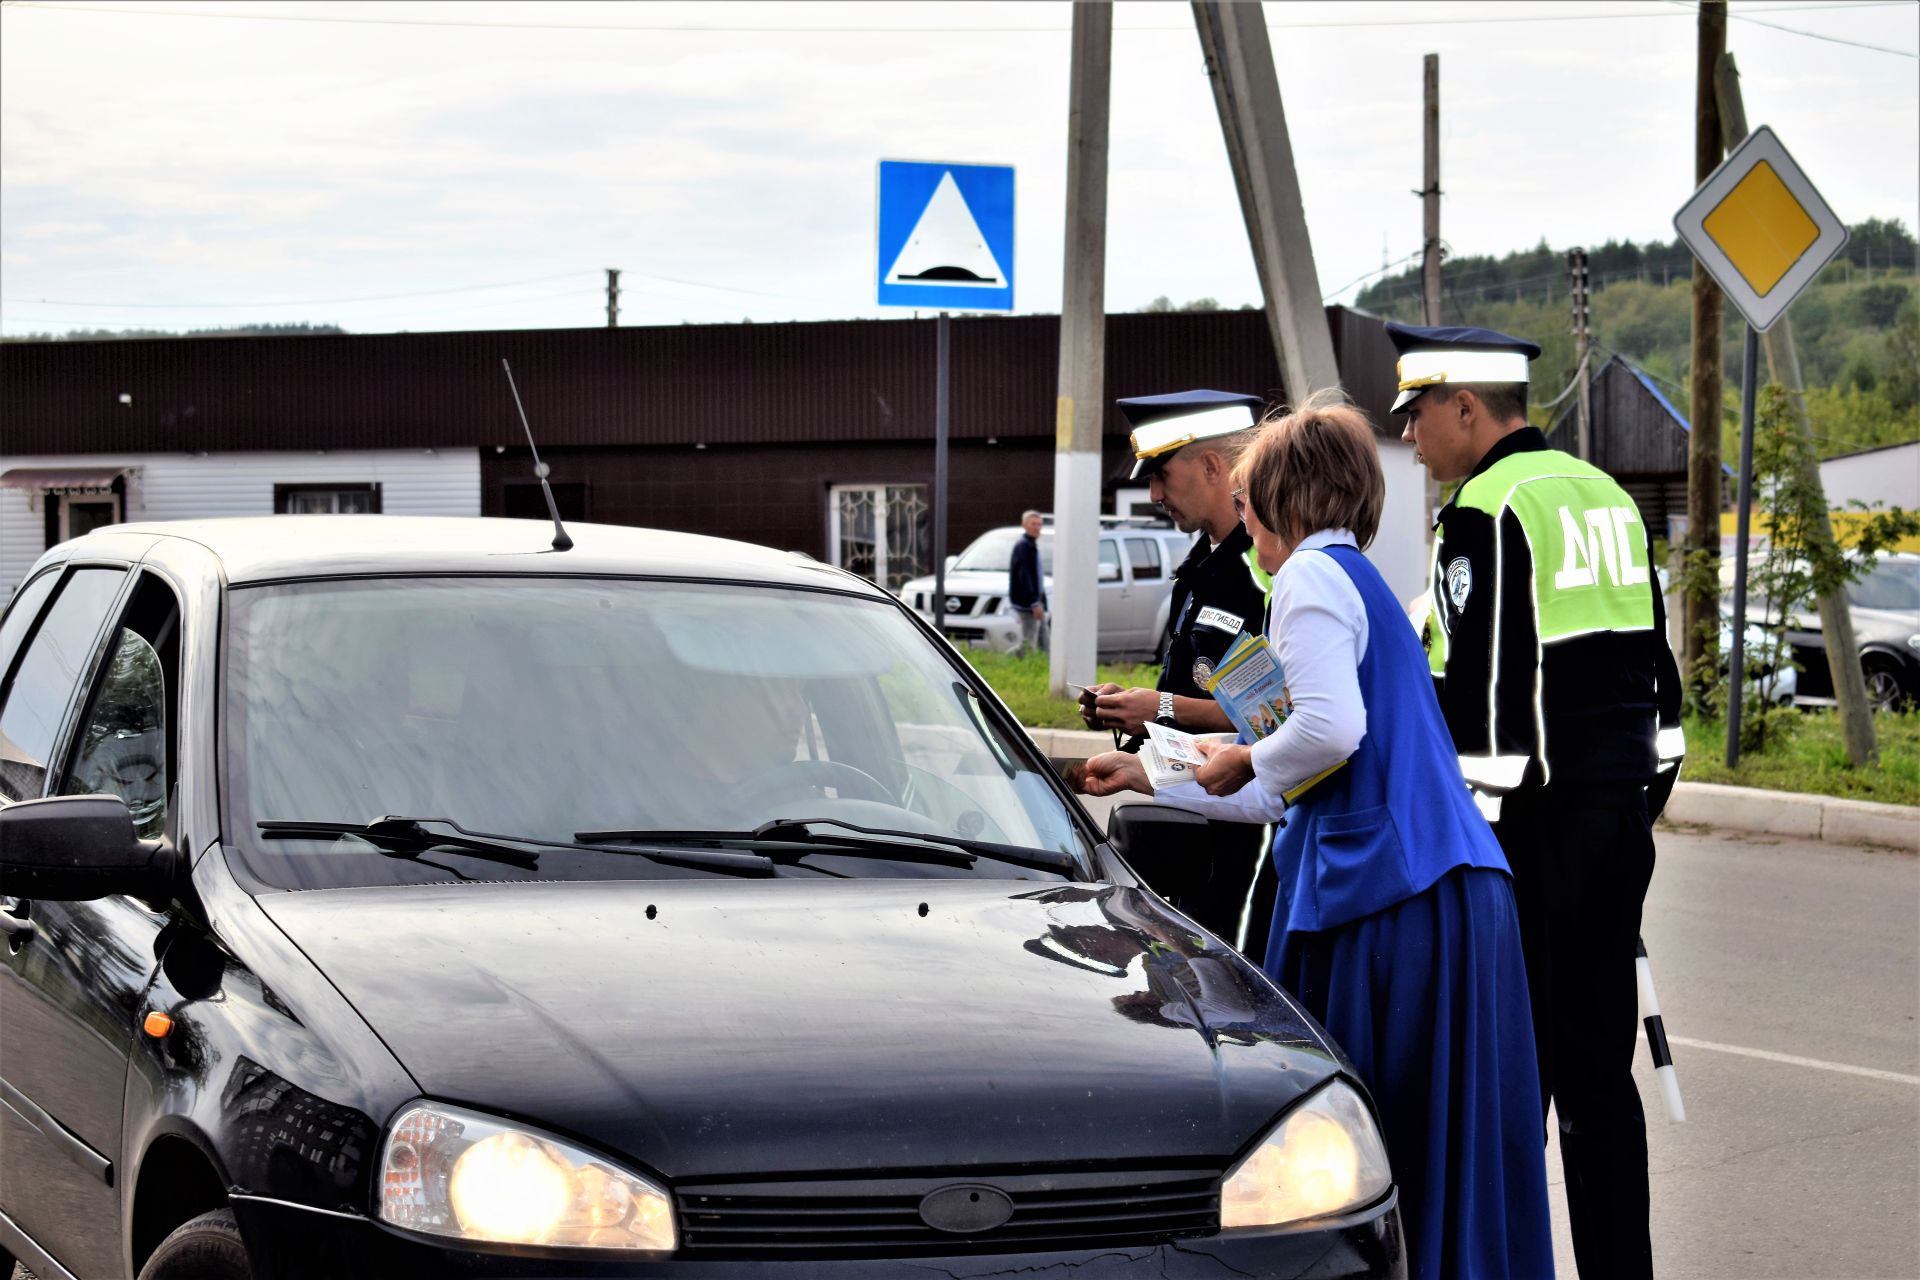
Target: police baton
(1657, 1036)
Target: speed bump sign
(1760, 229)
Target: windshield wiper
(412, 833)
(883, 844)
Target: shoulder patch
(1459, 582)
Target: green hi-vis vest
(1590, 569)
(1261, 577)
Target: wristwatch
(1166, 711)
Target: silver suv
(1137, 560)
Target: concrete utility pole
(1074, 602)
(1246, 93)
(1430, 197)
(1700, 607)
(1836, 618)
(1582, 324)
(613, 297)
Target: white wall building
(46, 499)
(1885, 477)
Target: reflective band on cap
(1167, 434)
(1428, 368)
(1503, 773)
(1670, 744)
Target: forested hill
(1857, 328)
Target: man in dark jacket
(1548, 647)
(1185, 445)
(1026, 588)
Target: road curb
(1707, 804)
(1791, 813)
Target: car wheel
(206, 1248)
(1885, 689)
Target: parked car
(393, 896)
(1137, 558)
(1885, 606)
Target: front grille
(881, 1216)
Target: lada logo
(966, 1209)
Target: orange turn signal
(157, 1025)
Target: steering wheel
(816, 775)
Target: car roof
(271, 548)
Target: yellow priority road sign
(1760, 229)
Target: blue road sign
(945, 236)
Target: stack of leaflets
(1251, 687)
(1171, 755)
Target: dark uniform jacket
(1548, 634)
(1023, 574)
(1215, 598)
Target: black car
(397, 896)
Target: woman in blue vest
(1395, 924)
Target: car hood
(706, 1027)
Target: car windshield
(1893, 584)
(993, 550)
(540, 708)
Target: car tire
(1887, 688)
(206, 1248)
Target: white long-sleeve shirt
(1317, 626)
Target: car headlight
(1324, 1158)
(451, 1172)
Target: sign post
(943, 236)
(1764, 234)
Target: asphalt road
(1765, 950)
(1789, 976)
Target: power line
(1379, 271)
(335, 19)
(390, 297)
(1811, 35)
(307, 302)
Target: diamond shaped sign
(1760, 228)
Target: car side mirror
(1165, 846)
(74, 848)
(951, 561)
(1109, 573)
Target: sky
(424, 166)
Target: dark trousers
(1581, 861)
(1213, 890)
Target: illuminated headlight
(449, 1172)
(1324, 1158)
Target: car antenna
(561, 542)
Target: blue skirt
(1428, 998)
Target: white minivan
(1137, 560)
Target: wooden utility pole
(1582, 337)
(613, 297)
(1783, 362)
(1074, 601)
(1246, 93)
(1430, 197)
(1700, 605)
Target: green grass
(1022, 685)
(1811, 757)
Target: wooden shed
(1639, 438)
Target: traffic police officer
(1185, 445)
(1547, 641)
